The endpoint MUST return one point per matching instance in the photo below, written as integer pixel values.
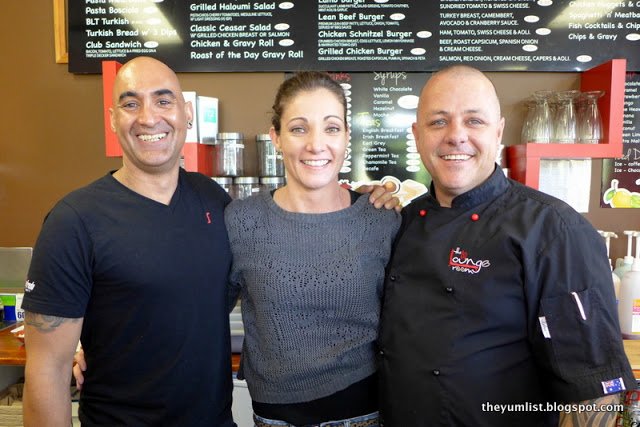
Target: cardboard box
(192, 134)
(11, 406)
(198, 158)
(14, 265)
(12, 306)
(207, 119)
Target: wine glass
(541, 119)
(589, 119)
(564, 125)
(525, 133)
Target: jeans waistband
(369, 420)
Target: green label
(8, 300)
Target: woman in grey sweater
(308, 265)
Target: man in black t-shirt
(135, 265)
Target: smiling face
(313, 138)
(149, 115)
(458, 130)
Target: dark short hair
(305, 81)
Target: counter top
(632, 348)
(12, 351)
(11, 348)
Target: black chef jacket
(504, 298)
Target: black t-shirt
(150, 281)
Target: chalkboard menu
(355, 35)
(621, 176)
(381, 106)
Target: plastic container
(624, 267)
(627, 261)
(245, 186)
(228, 152)
(270, 183)
(225, 182)
(616, 280)
(269, 159)
(629, 304)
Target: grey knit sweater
(310, 286)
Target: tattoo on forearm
(45, 323)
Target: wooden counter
(12, 351)
(11, 348)
(632, 348)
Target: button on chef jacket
(505, 298)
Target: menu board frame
(61, 41)
(341, 35)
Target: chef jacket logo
(459, 261)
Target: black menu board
(381, 106)
(355, 35)
(621, 177)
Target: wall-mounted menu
(621, 177)
(381, 106)
(355, 35)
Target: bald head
(458, 130)
(137, 71)
(461, 74)
(149, 116)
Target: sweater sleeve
(232, 220)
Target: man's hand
(79, 366)
(382, 195)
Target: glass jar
(224, 181)
(245, 186)
(270, 183)
(269, 159)
(227, 154)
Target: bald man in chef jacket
(498, 300)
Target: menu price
(355, 35)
